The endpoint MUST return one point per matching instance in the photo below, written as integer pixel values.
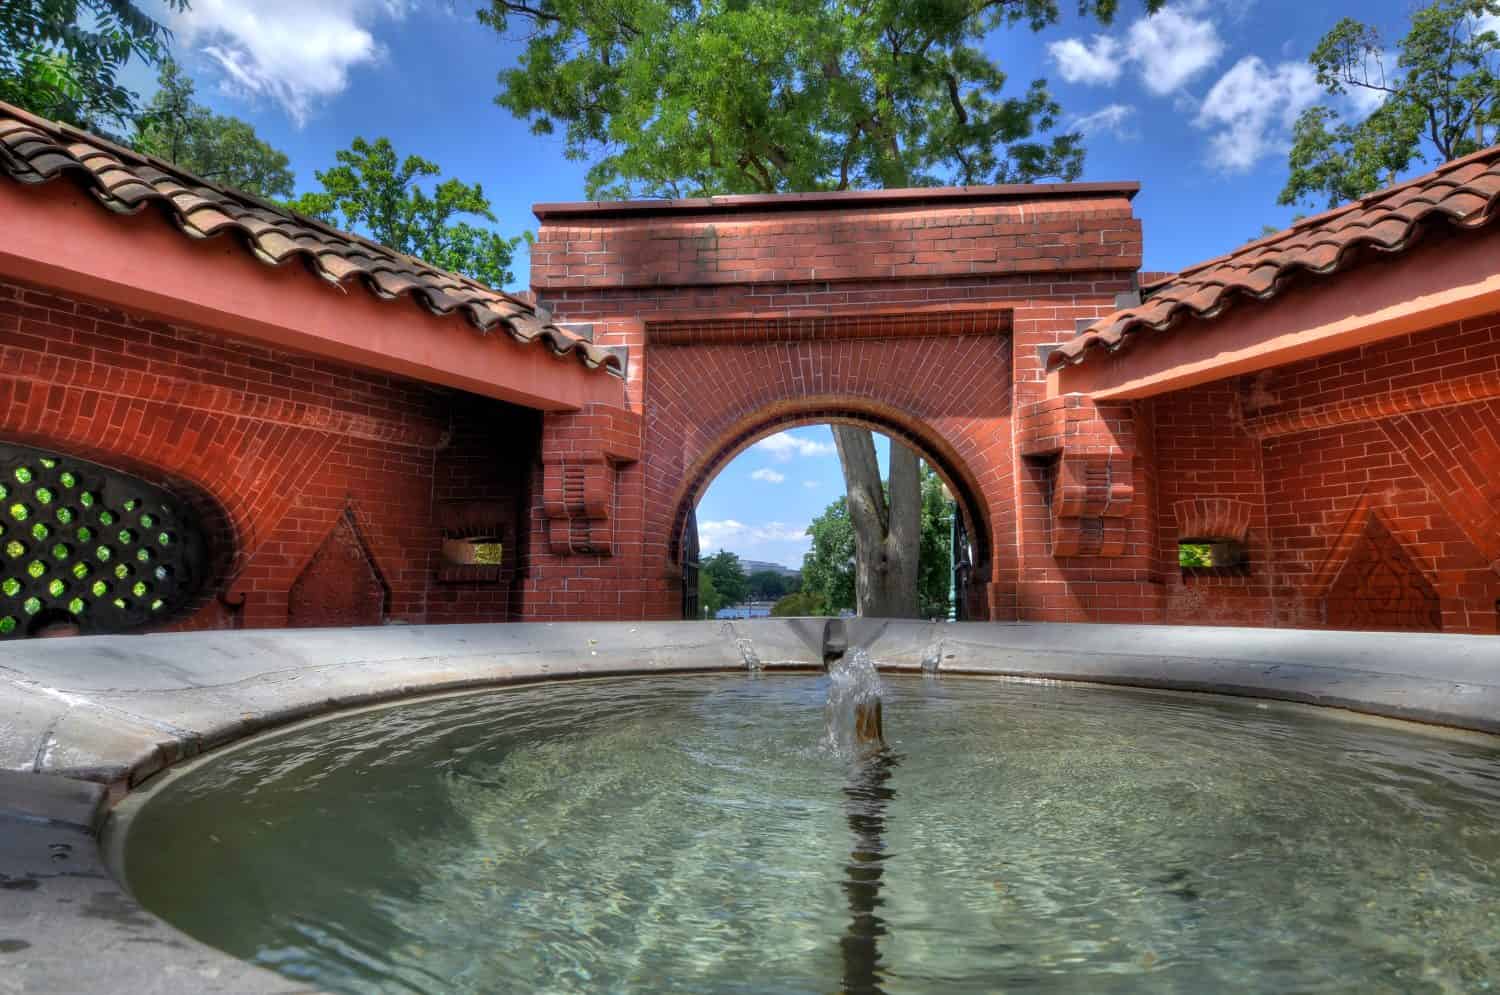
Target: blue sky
(1194, 103)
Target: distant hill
(756, 566)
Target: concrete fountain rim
(85, 721)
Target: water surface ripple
(695, 834)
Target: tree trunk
(887, 533)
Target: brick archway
(922, 314)
(941, 385)
(935, 451)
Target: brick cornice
(988, 319)
(25, 367)
(1401, 401)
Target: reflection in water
(856, 732)
(868, 795)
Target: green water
(692, 835)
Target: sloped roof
(1464, 194)
(34, 150)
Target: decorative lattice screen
(83, 544)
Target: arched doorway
(969, 541)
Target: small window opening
(486, 551)
(1212, 554)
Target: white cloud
(785, 445)
(1167, 48)
(812, 483)
(1251, 110)
(738, 537)
(1172, 47)
(1113, 120)
(769, 476)
(1363, 101)
(1091, 64)
(295, 52)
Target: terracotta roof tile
(34, 150)
(1464, 193)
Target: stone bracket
(1093, 486)
(583, 454)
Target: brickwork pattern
(807, 247)
(1402, 430)
(272, 449)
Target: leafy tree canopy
(709, 598)
(828, 568)
(800, 604)
(62, 58)
(768, 585)
(222, 149)
(672, 98)
(1439, 101)
(727, 574)
(378, 194)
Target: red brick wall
(1372, 477)
(1210, 484)
(856, 241)
(275, 448)
(923, 322)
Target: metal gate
(691, 609)
(962, 567)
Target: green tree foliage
(800, 604)
(727, 96)
(828, 569)
(62, 58)
(223, 149)
(709, 598)
(935, 565)
(376, 193)
(1441, 100)
(727, 573)
(768, 585)
(1194, 554)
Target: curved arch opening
(770, 450)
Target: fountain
(713, 833)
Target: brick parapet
(849, 244)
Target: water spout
(854, 718)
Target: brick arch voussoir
(941, 453)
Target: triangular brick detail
(1380, 587)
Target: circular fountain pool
(696, 834)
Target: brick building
(350, 436)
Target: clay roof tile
(34, 150)
(1464, 193)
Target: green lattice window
(84, 546)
